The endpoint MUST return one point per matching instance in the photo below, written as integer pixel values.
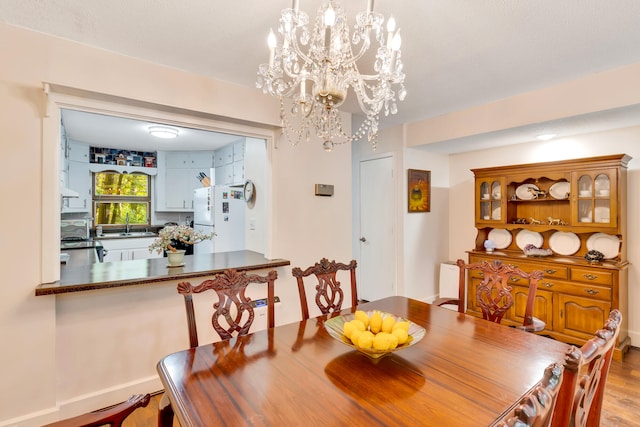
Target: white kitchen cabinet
(128, 249)
(178, 177)
(224, 174)
(78, 177)
(229, 164)
(224, 156)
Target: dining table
(464, 371)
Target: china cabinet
(566, 209)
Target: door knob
(362, 239)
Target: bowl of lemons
(374, 333)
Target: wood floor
(620, 408)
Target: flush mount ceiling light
(546, 136)
(163, 132)
(315, 66)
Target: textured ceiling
(457, 53)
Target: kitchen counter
(145, 271)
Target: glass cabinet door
(594, 198)
(489, 195)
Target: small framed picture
(419, 191)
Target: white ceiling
(456, 53)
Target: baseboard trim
(87, 402)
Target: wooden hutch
(568, 207)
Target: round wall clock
(248, 191)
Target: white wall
(422, 238)
(74, 352)
(462, 230)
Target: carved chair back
(113, 416)
(585, 375)
(233, 315)
(536, 408)
(329, 294)
(233, 312)
(494, 294)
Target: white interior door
(377, 266)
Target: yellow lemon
(387, 324)
(355, 334)
(402, 335)
(402, 324)
(365, 339)
(347, 329)
(393, 341)
(362, 316)
(382, 341)
(357, 324)
(375, 323)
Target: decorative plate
(335, 328)
(564, 243)
(496, 192)
(607, 244)
(601, 214)
(495, 214)
(526, 237)
(502, 238)
(560, 190)
(523, 191)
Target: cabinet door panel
(79, 180)
(580, 317)
(177, 181)
(542, 309)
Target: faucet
(127, 227)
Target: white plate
(564, 243)
(602, 214)
(526, 237)
(605, 243)
(560, 190)
(496, 213)
(496, 193)
(523, 193)
(502, 238)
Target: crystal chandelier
(315, 67)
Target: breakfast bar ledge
(145, 271)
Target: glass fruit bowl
(335, 328)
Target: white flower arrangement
(173, 235)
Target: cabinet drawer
(587, 291)
(556, 272)
(591, 276)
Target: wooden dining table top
(465, 371)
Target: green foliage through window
(116, 195)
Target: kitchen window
(118, 196)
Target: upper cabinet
(230, 164)
(580, 195)
(178, 176)
(78, 178)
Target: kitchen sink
(129, 234)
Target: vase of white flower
(172, 239)
(176, 259)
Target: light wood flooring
(621, 406)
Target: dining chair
(113, 416)
(329, 294)
(493, 294)
(233, 313)
(536, 408)
(585, 376)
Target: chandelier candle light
(316, 67)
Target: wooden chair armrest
(110, 416)
(536, 325)
(446, 301)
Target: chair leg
(165, 412)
